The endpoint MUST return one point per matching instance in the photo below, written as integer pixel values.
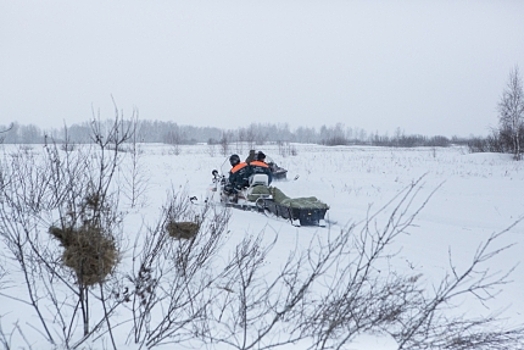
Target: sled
(298, 216)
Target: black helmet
(261, 155)
(234, 159)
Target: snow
(472, 196)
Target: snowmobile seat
(258, 188)
(258, 179)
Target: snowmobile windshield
(269, 160)
(225, 167)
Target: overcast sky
(429, 67)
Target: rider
(260, 166)
(251, 157)
(238, 175)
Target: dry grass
(182, 230)
(90, 253)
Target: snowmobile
(278, 172)
(260, 197)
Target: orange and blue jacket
(239, 175)
(260, 167)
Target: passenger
(260, 166)
(251, 157)
(238, 175)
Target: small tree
(251, 136)
(134, 175)
(174, 138)
(225, 141)
(511, 113)
(3, 132)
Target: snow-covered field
(472, 196)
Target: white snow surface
(474, 196)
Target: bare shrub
(477, 144)
(173, 280)
(225, 142)
(211, 149)
(360, 298)
(75, 191)
(495, 142)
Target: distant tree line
(255, 134)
